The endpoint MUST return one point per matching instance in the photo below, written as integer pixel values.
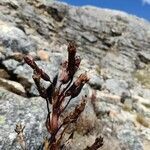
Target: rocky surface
(115, 51)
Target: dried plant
(20, 136)
(97, 144)
(58, 95)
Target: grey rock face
(24, 73)
(96, 82)
(10, 64)
(144, 56)
(89, 36)
(14, 39)
(116, 86)
(129, 137)
(30, 112)
(115, 43)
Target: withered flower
(72, 48)
(30, 61)
(77, 62)
(20, 135)
(97, 144)
(72, 117)
(71, 57)
(70, 67)
(56, 98)
(64, 75)
(44, 76)
(76, 87)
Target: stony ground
(115, 51)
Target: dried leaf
(97, 144)
(30, 61)
(76, 87)
(20, 137)
(64, 75)
(72, 117)
(71, 58)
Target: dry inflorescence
(58, 96)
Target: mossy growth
(142, 120)
(127, 106)
(143, 76)
(2, 119)
(98, 69)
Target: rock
(30, 112)
(146, 93)
(146, 133)
(33, 90)
(24, 74)
(140, 90)
(109, 40)
(4, 74)
(103, 108)
(12, 86)
(91, 38)
(115, 86)
(14, 39)
(57, 11)
(43, 55)
(87, 121)
(16, 56)
(2, 57)
(96, 82)
(12, 3)
(118, 65)
(144, 56)
(129, 138)
(10, 64)
(146, 145)
(49, 68)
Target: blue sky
(140, 8)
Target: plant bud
(29, 60)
